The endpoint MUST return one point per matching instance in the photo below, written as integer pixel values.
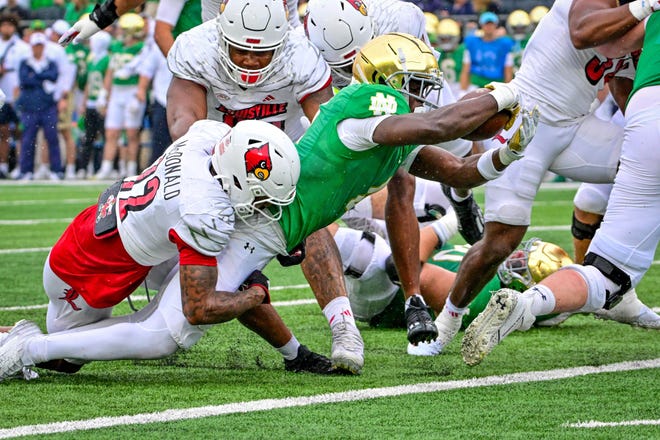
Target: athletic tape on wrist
(640, 9)
(486, 166)
(507, 155)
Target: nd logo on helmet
(257, 162)
(359, 5)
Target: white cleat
(448, 325)
(632, 311)
(11, 352)
(347, 347)
(432, 348)
(506, 311)
(555, 320)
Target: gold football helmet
(518, 24)
(131, 25)
(448, 32)
(533, 262)
(402, 62)
(537, 13)
(431, 25)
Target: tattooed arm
(202, 304)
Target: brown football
(492, 126)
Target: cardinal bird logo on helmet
(257, 162)
(359, 5)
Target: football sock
(543, 300)
(339, 308)
(289, 351)
(454, 312)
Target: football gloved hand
(522, 136)
(257, 278)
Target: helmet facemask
(255, 26)
(532, 263)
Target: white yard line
(172, 415)
(596, 424)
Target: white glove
(102, 98)
(81, 30)
(506, 95)
(522, 137)
(3, 98)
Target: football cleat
(308, 362)
(432, 348)
(11, 352)
(347, 348)
(419, 322)
(470, 217)
(632, 311)
(506, 311)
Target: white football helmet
(338, 28)
(534, 261)
(259, 167)
(252, 25)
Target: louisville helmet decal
(257, 162)
(359, 5)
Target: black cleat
(470, 217)
(421, 327)
(309, 362)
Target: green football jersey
(333, 177)
(191, 16)
(648, 71)
(95, 76)
(77, 54)
(451, 64)
(120, 58)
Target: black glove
(296, 256)
(104, 14)
(257, 278)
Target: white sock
(131, 168)
(289, 351)
(4, 167)
(339, 308)
(458, 198)
(446, 227)
(543, 300)
(454, 312)
(407, 303)
(106, 166)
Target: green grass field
(536, 385)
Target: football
(492, 126)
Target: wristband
(505, 96)
(105, 14)
(507, 155)
(486, 167)
(640, 9)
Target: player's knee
(595, 286)
(617, 282)
(592, 198)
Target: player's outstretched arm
(103, 15)
(186, 103)
(596, 22)
(202, 304)
(447, 123)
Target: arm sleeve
(358, 134)
(169, 11)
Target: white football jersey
(562, 80)
(300, 72)
(397, 16)
(176, 193)
(373, 291)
